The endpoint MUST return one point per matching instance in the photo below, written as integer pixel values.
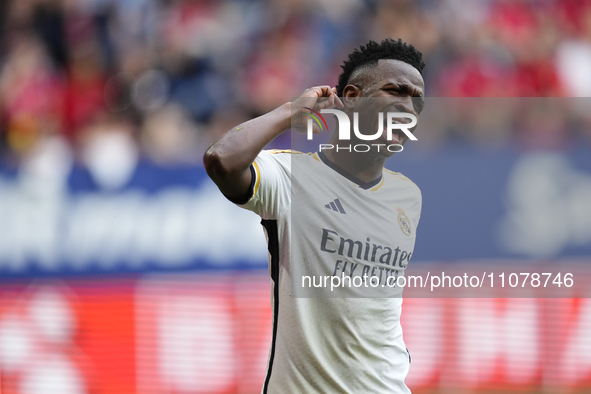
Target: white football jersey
(320, 222)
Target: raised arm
(228, 160)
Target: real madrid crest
(403, 221)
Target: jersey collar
(357, 181)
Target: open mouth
(397, 135)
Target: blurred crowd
(116, 81)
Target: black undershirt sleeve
(250, 193)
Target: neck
(366, 166)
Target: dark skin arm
(228, 160)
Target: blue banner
(501, 203)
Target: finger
(339, 102)
(331, 100)
(322, 105)
(327, 101)
(326, 90)
(315, 92)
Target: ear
(350, 95)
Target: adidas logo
(336, 206)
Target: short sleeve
(272, 184)
(419, 206)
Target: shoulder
(281, 154)
(284, 151)
(399, 176)
(404, 180)
(284, 156)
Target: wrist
(284, 112)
